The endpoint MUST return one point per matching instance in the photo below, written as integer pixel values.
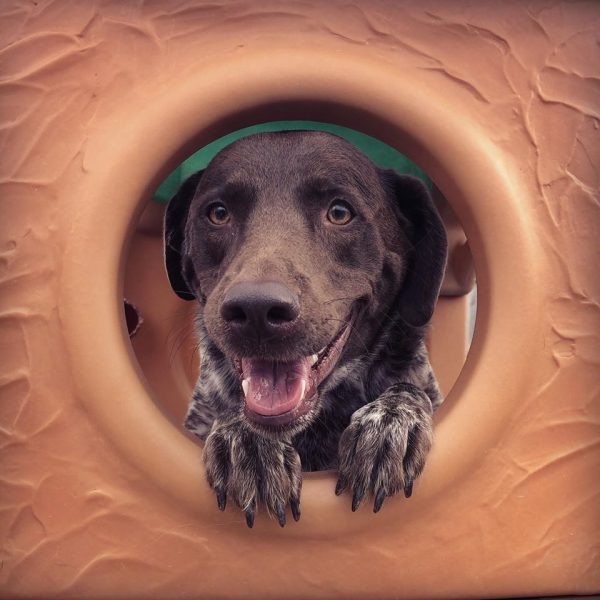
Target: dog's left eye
(218, 214)
(340, 213)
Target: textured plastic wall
(98, 502)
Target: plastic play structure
(102, 494)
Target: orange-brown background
(78, 520)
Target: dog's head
(299, 249)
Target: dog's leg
(383, 450)
(252, 469)
(201, 415)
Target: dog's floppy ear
(174, 231)
(428, 247)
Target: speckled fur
(374, 425)
(372, 420)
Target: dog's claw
(281, 516)
(250, 518)
(357, 497)
(379, 498)
(221, 498)
(408, 488)
(295, 505)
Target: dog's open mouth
(276, 393)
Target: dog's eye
(217, 214)
(340, 213)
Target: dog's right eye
(217, 214)
(340, 213)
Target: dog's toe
(384, 448)
(251, 469)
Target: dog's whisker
(351, 298)
(179, 339)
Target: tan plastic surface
(101, 495)
(459, 278)
(165, 345)
(448, 340)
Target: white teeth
(246, 385)
(314, 358)
(303, 389)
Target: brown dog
(316, 274)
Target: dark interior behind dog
(316, 273)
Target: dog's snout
(259, 308)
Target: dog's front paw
(383, 450)
(251, 469)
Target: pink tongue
(274, 387)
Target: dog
(316, 273)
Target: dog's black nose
(260, 308)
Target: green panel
(377, 151)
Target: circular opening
(166, 345)
(392, 106)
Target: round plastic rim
(352, 90)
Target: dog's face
(298, 247)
